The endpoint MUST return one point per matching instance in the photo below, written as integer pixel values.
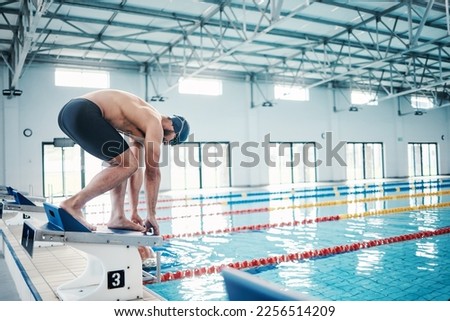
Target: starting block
(22, 205)
(7, 193)
(114, 266)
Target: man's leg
(135, 185)
(118, 219)
(122, 167)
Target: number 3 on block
(116, 279)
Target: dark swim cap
(181, 129)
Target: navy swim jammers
(82, 121)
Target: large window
(421, 102)
(62, 170)
(291, 92)
(200, 165)
(364, 161)
(66, 168)
(199, 86)
(422, 159)
(292, 162)
(81, 78)
(359, 97)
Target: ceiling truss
(399, 49)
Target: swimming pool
(386, 241)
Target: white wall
(2, 131)
(223, 118)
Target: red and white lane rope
(310, 254)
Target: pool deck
(50, 266)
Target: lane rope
(305, 255)
(305, 221)
(309, 205)
(386, 186)
(336, 192)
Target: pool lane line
(367, 199)
(422, 183)
(333, 191)
(305, 255)
(336, 193)
(258, 227)
(309, 205)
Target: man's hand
(151, 224)
(137, 219)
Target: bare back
(126, 112)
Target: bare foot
(124, 224)
(78, 215)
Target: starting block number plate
(116, 279)
(28, 239)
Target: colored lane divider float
(310, 205)
(323, 192)
(299, 256)
(358, 188)
(305, 221)
(335, 192)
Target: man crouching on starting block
(95, 121)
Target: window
(292, 163)
(364, 161)
(421, 102)
(200, 165)
(422, 159)
(215, 165)
(185, 165)
(81, 78)
(363, 98)
(61, 170)
(66, 170)
(286, 92)
(197, 86)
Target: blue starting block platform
(114, 266)
(20, 204)
(7, 193)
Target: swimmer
(95, 121)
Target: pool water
(416, 269)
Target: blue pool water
(408, 270)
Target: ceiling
(392, 48)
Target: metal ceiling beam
(422, 23)
(319, 45)
(211, 22)
(23, 39)
(254, 36)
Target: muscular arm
(152, 176)
(135, 183)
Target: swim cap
(181, 129)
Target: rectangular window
(421, 102)
(200, 165)
(215, 165)
(66, 170)
(185, 166)
(364, 161)
(81, 78)
(422, 159)
(198, 86)
(286, 92)
(62, 170)
(359, 97)
(292, 163)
